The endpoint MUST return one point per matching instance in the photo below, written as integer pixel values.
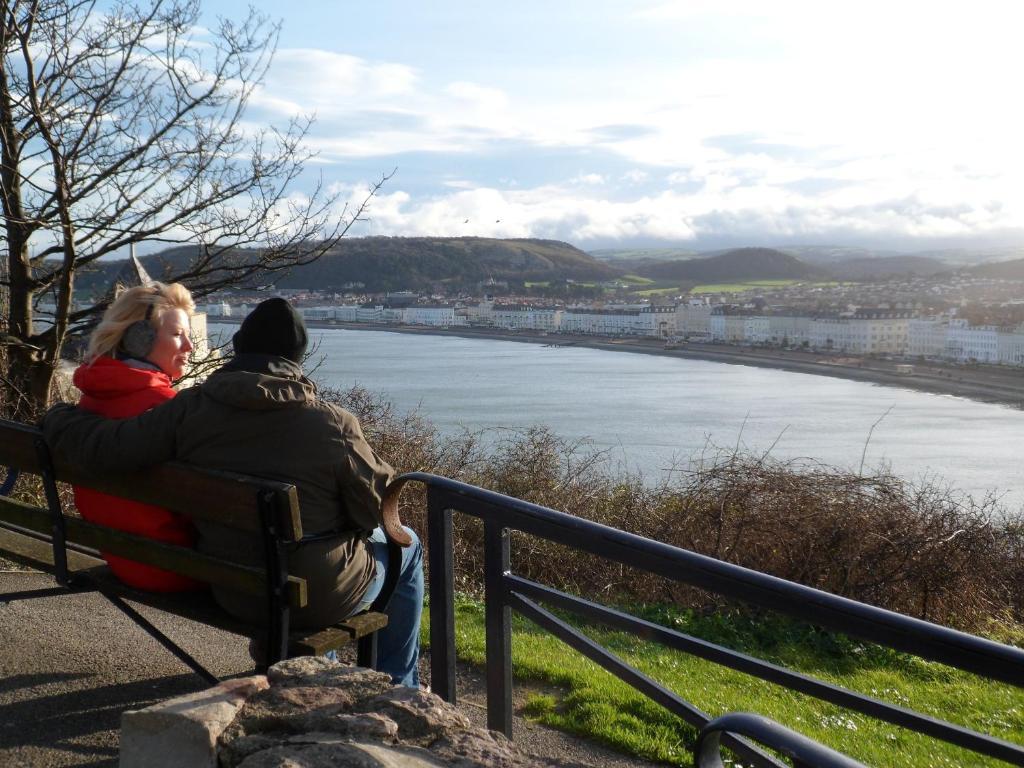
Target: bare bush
(922, 549)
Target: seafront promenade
(983, 383)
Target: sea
(658, 415)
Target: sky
(640, 123)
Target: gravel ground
(70, 664)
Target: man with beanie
(259, 415)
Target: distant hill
(414, 263)
(737, 264)
(833, 254)
(887, 266)
(1003, 270)
(616, 255)
(395, 263)
(963, 257)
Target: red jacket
(112, 388)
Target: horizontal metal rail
(505, 591)
(633, 677)
(802, 751)
(773, 673)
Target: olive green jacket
(257, 416)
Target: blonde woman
(141, 345)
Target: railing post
(442, 596)
(498, 628)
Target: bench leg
(29, 594)
(366, 651)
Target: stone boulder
(311, 712)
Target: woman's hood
(107, 378)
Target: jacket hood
(107, 379)
(260, 382)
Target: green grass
(658, 291)
(542, 284)
(590, 702)
(753, 284)
(636, 280)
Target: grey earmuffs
(139, 337)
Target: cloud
(587, 218)
(785, 126)
(612, 133)
(308, 80)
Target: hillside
(394, 263)
(1003, 270)
(827, 255)
(414, 263)
(617, 255)
(738, 264)
(888, 266)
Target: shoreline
(980, 383)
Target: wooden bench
(43, 537)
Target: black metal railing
(504, 592)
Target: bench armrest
(390, 521)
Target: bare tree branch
(128, 125)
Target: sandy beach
(985, 383)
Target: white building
(692, 317)
(479, 314)
(346, 313)
(371, 313)
(926, 337)
(756, 329)
(601, 322)
(861, 334)
(726, 325)
(969, 345)
(434, 314)
(789, 330)
(659, 322)
(1011, 347)
(526, 318)
(220, 309)
(317, 314)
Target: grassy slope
(598, 706)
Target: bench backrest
(229, 499)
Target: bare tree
(126, 126)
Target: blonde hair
(131, 306)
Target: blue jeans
(398, 644)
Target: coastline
(981, 383)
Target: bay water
(653, 414)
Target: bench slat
(38, 554)
(188, 562)
(206, 494)
(320, 642)
(194, 606)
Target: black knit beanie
(273, 328)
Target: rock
(422, 717)
(184, 731)
(290, 708)
(317, 671)
(481, 748)
(314, 714)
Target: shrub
(921, 549)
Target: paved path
(70, 664)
